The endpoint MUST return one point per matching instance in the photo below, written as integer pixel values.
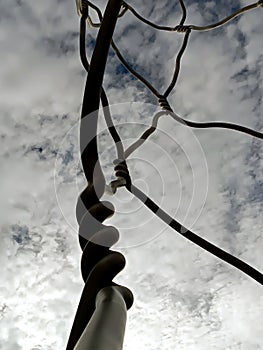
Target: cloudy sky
(210, 180)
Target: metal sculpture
(104, 303)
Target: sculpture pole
(100, 319)
(107, 324)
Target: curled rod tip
(82, 7)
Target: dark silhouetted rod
(99, 264)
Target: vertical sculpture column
(107, 324)
(101, 315)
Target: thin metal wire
(181, 28)
(185, 232)
(184, 12)
(162, 98)
(104, 100)
(96, 8)
(194, 27)
(188, 123)
(146, 21)
(227, 19)
(132, 71)
(122, 59)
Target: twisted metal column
(102, 302)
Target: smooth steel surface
(106, 328)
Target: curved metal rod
(148, 132)
(146, 21)
(139, 76)
(122, 59)
(188, 123)
(184, 12)
(180, 28)
(178, 64)
(132, 71)
(104, 100)
(194, 27)
(112, 130)
(225, 20)
(91, 100)
(96, 8)
(122, 170)
(191, 236)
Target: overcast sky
(210, 180)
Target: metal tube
(91, 100)
(99, 264)
(106, 327)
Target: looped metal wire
(122, 174)
(182, 29)
(164, 103)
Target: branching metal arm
(191, 26)
(191, 236)
(189, 123)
